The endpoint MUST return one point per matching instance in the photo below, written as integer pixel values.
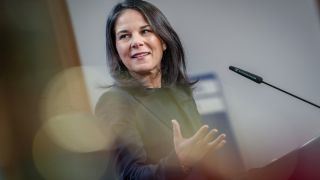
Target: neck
(150, 80)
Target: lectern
(301, 164)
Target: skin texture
(139, 48)
(192, 150)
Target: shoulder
(114, 98)
(115, 93)
(182, 92)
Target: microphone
(259, 80)
(246, 74)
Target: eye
(124, 36)
(146, 31)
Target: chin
(143, 70)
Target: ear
(164, 46)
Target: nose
(136, 41)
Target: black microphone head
(232, 68)
(246, 74)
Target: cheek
(159, 48)
(158, 45)
(123, 54)
(122, 50)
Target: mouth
(140, 54)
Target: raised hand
(191, 150)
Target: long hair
(173, 65)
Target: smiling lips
(140, 55)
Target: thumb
(176, 130)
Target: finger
(201, 133)
(176, 130)
(210, 135)
(217, 141)
(221, 144)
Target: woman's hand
(191, 150)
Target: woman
(147, 61)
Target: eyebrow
(125, 31)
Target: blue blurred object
(212, 106)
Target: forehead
(130, 18)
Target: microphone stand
(259, 80)
(291, 94)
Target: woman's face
(139, 48)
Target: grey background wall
(277, 39)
